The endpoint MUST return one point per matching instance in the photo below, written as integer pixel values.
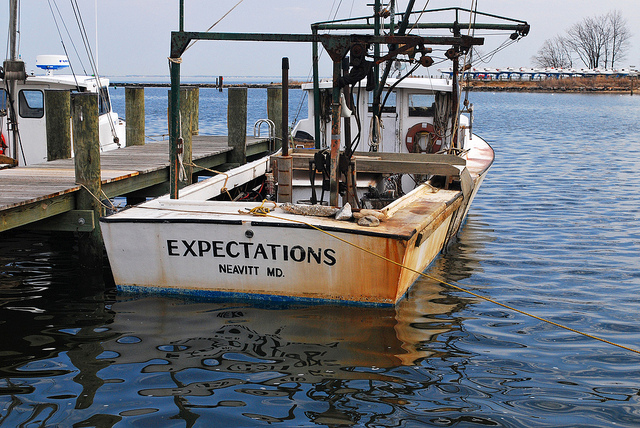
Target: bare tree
(588, 39)
(619, 36)
(554, 53)
(600, 40)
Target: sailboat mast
(95, 10)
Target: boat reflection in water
(75, 355)
(277, 359)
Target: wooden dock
(43, 196)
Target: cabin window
(389, 106)
(3, 102)
(31, 103)
(422, 105)
(104, 104)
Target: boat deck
(421, 209)
(36, 192)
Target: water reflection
(287, 358)
(74, 354)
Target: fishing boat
(23, 112)
(362, 197)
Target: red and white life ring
(434, 141)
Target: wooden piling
(86, 144)
(195, 111)
(186, 116)
(58, 123)
(135, 124)
(185, 132)
(274, 111)
(284, 121)
(237, 125)
(135, 115)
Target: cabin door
(32, 147)
(389, 116)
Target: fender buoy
(434, 144)
(3, 144)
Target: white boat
(23, 130)
(410, 184)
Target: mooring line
(262, 211)
(453, 286)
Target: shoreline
(620, 85)
(568, 85)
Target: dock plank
(36, 192)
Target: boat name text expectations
(250, 251)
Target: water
(213, 109)
(554, 231)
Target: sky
(133, 36)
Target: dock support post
(274, 112)
(195, 111)
(134, 114)
(86, 145)
(58, 113)
(186, 116)
(174, 123)
(237, 125)
(316, 91)
(334, 176)
(135, 126)
(285, 161)
(184, 134)
(285, 107)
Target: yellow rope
(263, 211)
(112, 207)
(260, 210)
(455, 287)
(224, 186)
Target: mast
(13, 30)
(175, 145)
(376, 73)
(14, 70)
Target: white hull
(209, 248)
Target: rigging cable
(193, 42)
(468, 58)
(13, 115)
(84, 70)
(304, 97)
(424, 9)
(92, 62)
(64, 47)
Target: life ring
(435, 142)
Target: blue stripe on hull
(228, 295)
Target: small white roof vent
(51, 62)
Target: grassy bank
(571, 84)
